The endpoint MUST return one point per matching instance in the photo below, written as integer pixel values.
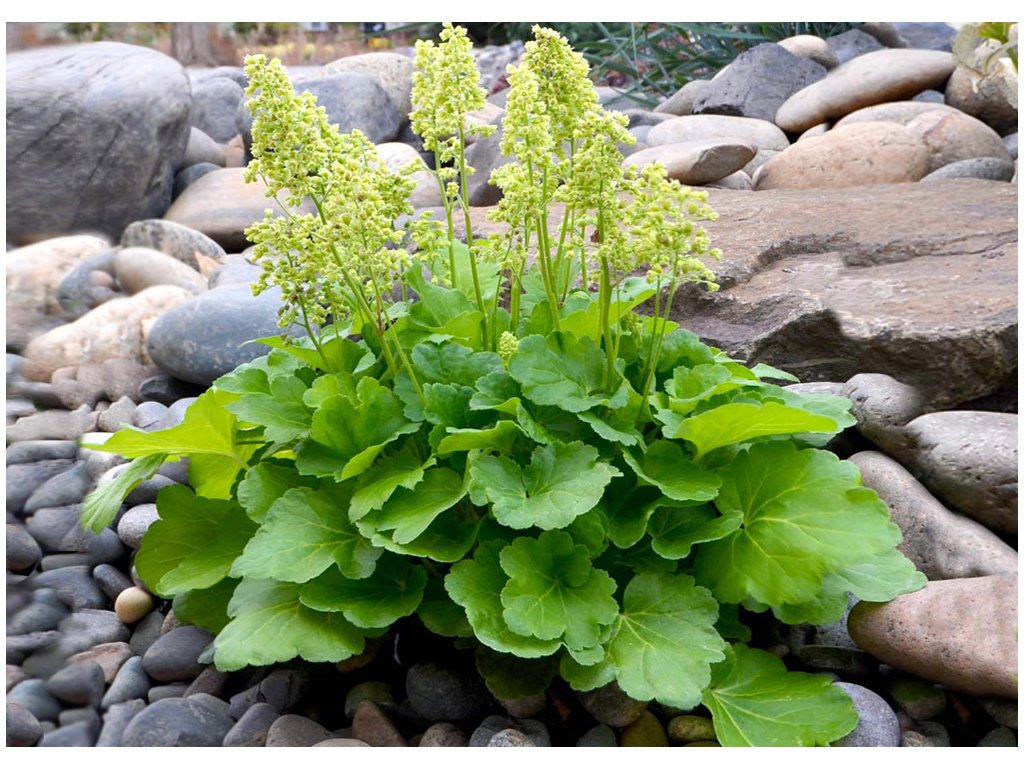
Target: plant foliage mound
(490, 436)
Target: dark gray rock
(68, 487)
(295, 731)
(146, 633)
(94, 135)
(940, 543)
(22, 726)
(177, 723)
(215, 101)
(1003, 711)
(609, 705)
(167, 691)
(81, 734)
(642, 117)
(443, 735)
(23, 479)
(598, 736)
(851, 44)
(994, 168)
(1010, 142)
(80, 683)
(165, 390)
(934, 35)
(40, 450)
(356, 101)
(517, 733)
(81, 715)
(240, 703)
(999, 737)
(205, 337)
(49, 526)
(877, 725)
(175, 656)
(191, 174)
(131, 682)
(439, 694)
(53, 424)
(252, 727)
(22, 551)
(110, 580)
(74, 586)
(147, 491)
(80, 290)
(20, 646)
(80, 631)
(211, 681)
(283, 689)
(177, 240)
(116, 720)
(45, 612)
(920, 699)
(969, 460)
(33, 696)
(930, 96)
(757, 82)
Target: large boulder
(917, 281)
(95, 133)
(354, 100)
(392, 70)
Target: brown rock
(953, 136)
(856, 155)
(139, 268)
(186, 245)
(760, 133)
(739, 180)
(961, 633)
(222, 206)
(872, 78)
(116, 329)
(371, 725)
(989, 103)
(901, 112)
(110, 657)
(696, 162)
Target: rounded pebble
(372, 725)
(296, 731)
(22, 551)
(174, 657)
(82, 683)
(22, 726)
(443, 735)
(176, 722)
(438, 694)
(646, 731)
(252, 727)
(877, 725)
(133, 605)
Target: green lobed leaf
(674, 531)
(737, 422)
(754, 701)
(560, 484)
(804, 514)
(207, 608)
(305, 532)
(681, 347)
(509, 677)
(563, 371)
(264, 484)
(440, 614)
(548, 424)
(280, 410)
(585, 677)
(499, 438)
(554, 592)
(688, 387)
(269, 625)
(410, 511)
(193, 544)
(665, 640)
(627, 508)
(496, 391)
(664, 464)
(342, 353)
(476, 585)
(446, 540)
(214, 475)
(102, 505)
(392, 591)
(391, 472)
(765, 371)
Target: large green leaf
(754, 701)
(499, 438)
(264, 484)
(269, 625)
(102, 505)
(566, 372)
(207, 608)
(440, 614)
(674, 531)
(279, 409)
(193, 544)
(305, 532)
(476, 585)
(665, 640)
(392, 591)
(496, 391)
(446, 540)
(347, 435)
(626, 508)
(737, 422)
(560, 483)
(376, 485)
(554, 592)
(803, 515)
(410, 511)
(509, 677)
(664, 464)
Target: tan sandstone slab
(696, 162)
(873, 78)
(855, 155)
(961, 633)
(761, 133)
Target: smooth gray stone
(439, 694)
(295, 731)
(33, 696)
(22, 726)
(211, 681)
(111, 580)
(116, 720)
(23, 479)
(79, 632)
(74, 585)
(147, 491)
(40, 450)
(82, 684)
(177, 722)
(214, 103)
(135, 522)
(177, 240)
(174, 657)
(22, 551)
(598, 736)
(191, 174)
(609, 705)
(252, 727)
(877, 726)
(284, 689)
(532, 731)
(883, 407)
(148, 414)
(1010, 142)
(78, 291)
(992, 168)
(167, 691)
(50, 525)
(45, 612)
(443, 735)
(852, 43)
(146, 633)
(68, 487)
(80, 734)
(356, 101)
(20, 646)
(81, 715)
(131, 682)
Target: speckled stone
(877, 725)
(443, 735)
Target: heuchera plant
(490, 436)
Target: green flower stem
(464, 201)
(544, 260)
(659, 336)
(314, 337)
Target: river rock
(940, 543)
(370, 724)
(177, 722)
(852, 43)
(888, 287)
(188, 246)
(214, 103)
(696, 162)
(961, 633)
(989, 103)
(110, 380)
(969, 459)
(295, 731)
(95, 133)
(485, 156)
(81, 684)
(855, 155)
(883, 406)
(443, 735)
(681, 102)
(175, 656)
(354, 100)
(22, 728)
(901, 112)
(874, 78)
(811, 47)
(953, 136)
(88, 285)
(877, 724)
(207, 337)
(21, 550)
(761, 133)
(202, 149)
(392, 71)
(439, 694)
(33, 275)
(993, 168)
(397, 156)
(252, 727)
(222, 206)
(140, 268)
(757, 82)
(116, 329)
